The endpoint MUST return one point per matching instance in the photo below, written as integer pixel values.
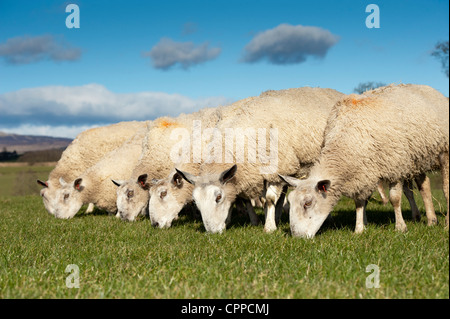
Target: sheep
(170, 194)
(94, 184)
(155, 162)
(83, 152)
(216, 187)
(394, 133)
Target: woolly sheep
(155, 162)
(94, 185)
(218, 184)
(361, 147)
(170, 194)
(83, 152)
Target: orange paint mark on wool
(353, 101)
(166, 124)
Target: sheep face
(132, 198)
(214, 207)
(213, 196)
(309, 205)
(167, 198)
(50, 196)
(64, 201)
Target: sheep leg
(395, 197)
(364, 212)
(360, 215)
(280, 204)
(380, 189)
(443, 158)
(408, 190)
(423, 183)
(251, 213)
(90, 208)
(273, 192)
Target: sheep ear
(177, 180)
(323, 186)
(188, 177)
(77, 184)
(43, 184)
(292, 181)
(62, 181)
(117, 183)
(142, 181)
(228, 174)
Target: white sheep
(393, 133)
(156, 161)
(83, 152)
(94, 185)
(294, 120)
(170, 194)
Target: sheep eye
(130, 194)
(163, 194)
(66, 196)
(307, 204)
(218, 198)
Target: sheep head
(132, 197)
(213, 195)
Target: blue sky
(142, 59)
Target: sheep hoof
(268, 229)
(401, 228)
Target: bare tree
(440, 52)
(366, 86)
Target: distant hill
(27, 143)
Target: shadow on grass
(378, 215)
(96, 212)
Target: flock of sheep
(323, 144)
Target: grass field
(134, 260)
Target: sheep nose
(122, 215)
(155, 224)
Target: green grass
(22, 180)
(134, 260)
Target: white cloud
(167, 53)
(288, 44)
(66, 109)
(47, 130)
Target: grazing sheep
(294, 120)
(156, 162)
(170, 194)
(83, 152)
(394, 133)
(94, 185)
